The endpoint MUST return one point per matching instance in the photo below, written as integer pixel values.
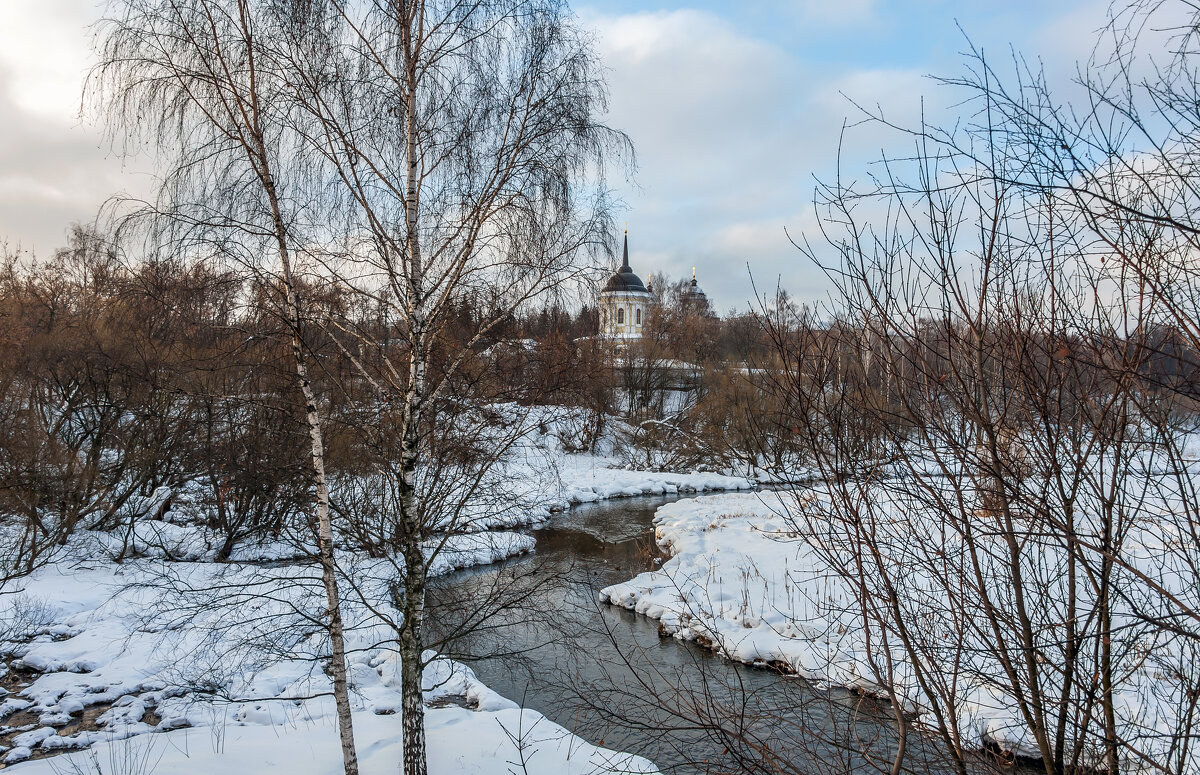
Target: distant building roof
(693, 297)
(625, 280)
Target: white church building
(625, 302)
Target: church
(625, 302)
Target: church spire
(625, 258)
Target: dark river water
(539, 636)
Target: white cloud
(730, 131)
(44, 48)
(730, 128)
(836, 12)
(689, 89)
(896, 92)
(52, 173)
(55, 168)
(714, 115)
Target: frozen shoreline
(99, 636)
(742, 581)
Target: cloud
(44, 48)
(713, 115)
(732, 123)
(53, 171)
(841, 12)
(688, 88)
(730, 131)
(896, 92)
(54, 167)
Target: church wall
(634, 305)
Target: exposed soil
(16, 680)
(453, 700)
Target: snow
(187, 665)
(177, 663)
(744, 581)
(587, 479)
(117, 646)
(731, 583)
(539, 476)
(459, 741)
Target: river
(603, 672)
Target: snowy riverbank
(230, 684)
(731, 583)
(744, 581)
(219, 662)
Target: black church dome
(694, 298)
(625, 280)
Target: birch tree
(192, 77)
(464, 147)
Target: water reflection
(606, 674)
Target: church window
(621, 317)
(638, 317)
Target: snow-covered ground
(102, 637)
(745, 581)
(731, 583)
(587, 478)
(538, 476)
(220, 661)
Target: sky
(734, 108)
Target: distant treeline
(120, 380)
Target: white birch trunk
(333, 613)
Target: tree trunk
(411, 667)
(412, 699)
(337, 661)
(334, 623)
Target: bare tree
(464, 148)
(455, 156)
(232, 183)
(998, 448)
(85, 423)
